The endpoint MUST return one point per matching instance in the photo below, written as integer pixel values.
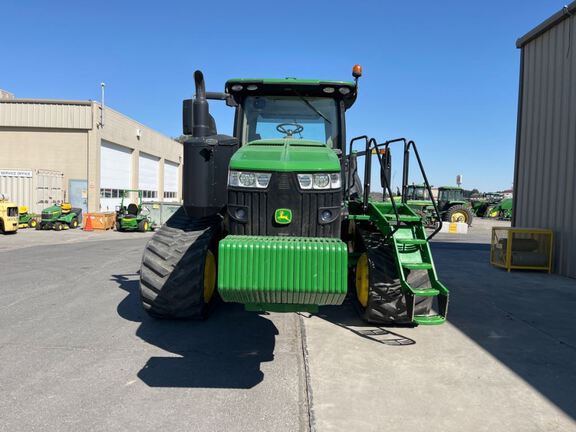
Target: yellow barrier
(522, 248)
(101, 221)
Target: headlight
(320, 181)
(305, 181)
(248, 179)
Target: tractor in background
(131, 217)
(277, 218)
(451, 203)
(26, 219)
(60, 217)
(8, 216)
(482, 207)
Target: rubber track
(172, 270)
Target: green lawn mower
(276, 217)
(26, 219)
(60, 217)
(131, 217)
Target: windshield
(294, 117)
(418, 193)
(451, 195)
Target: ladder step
(411, 241)
(417, 265)
(425, 292)
(429, 319)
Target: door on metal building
(49, 188)
(78, 190)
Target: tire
(73, 223)
(32, 223)
(386, 303)
(118, 226)
(488, 212)
(172, 271)
(456, 210)
(143, 225)
(39, 226)
(58, 226)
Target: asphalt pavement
(79, 354)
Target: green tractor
(60, 217)
(502, 210)
(276, 217)
(131, 217)
(483, 207)
(451, 204)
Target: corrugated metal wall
(49, 114)
(17, 186)
(545, 189)
(35, 189)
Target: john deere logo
(283, 216)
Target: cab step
(425, 292)
(409, 241)
(417, 265)
(429, 319)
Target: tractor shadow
(347, 317)
(225, 351)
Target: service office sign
(15, 173)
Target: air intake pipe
(206, 157)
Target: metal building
(545, 166)
(73, 150)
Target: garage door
(170, 181)
(148, 176)
(115, 174)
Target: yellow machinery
(8, 216)
(522, 248)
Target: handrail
(371, 144)
(427, 184)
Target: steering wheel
(289, 132)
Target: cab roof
(339, 90)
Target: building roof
(561, 15)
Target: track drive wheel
(459, 213)
(178, 272)
(377, 285)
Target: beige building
(54, 150)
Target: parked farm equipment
(451, 204)
(275, 217)
(8, 216)
(60, 217)
(131, 217)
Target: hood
(288, 155)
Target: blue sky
(443, 73)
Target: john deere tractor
(8, 216)
(276, 217)
(130, 217)
(451, 204)
(60, 217)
